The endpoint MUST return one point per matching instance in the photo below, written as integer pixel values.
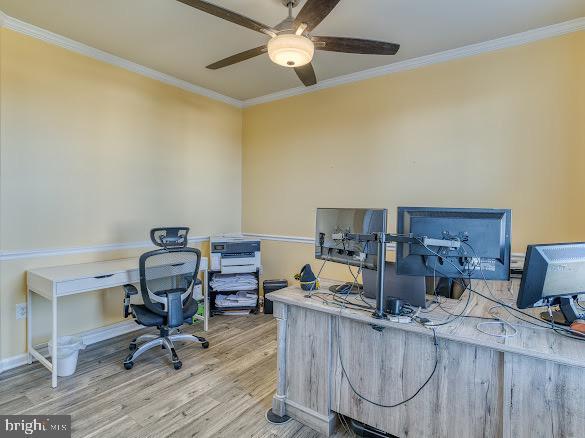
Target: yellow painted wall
(502, 129)
(89, 152)
(93, 154)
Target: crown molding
(55, 252)
(52, 38)
(435, 58)
(530, 36)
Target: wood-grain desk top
(540, 343)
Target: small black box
(270, 286)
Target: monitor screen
(483, 234)
(333, 222)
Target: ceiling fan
(291, 43)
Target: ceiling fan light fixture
(290, 50)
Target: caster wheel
(177, 365)
(128, 365)
(132, 347)
(205, 344)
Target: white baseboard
(89, 337)
(12, 362)
(109, 331)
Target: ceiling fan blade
(306, 74)
(314, 12)
(355, 45)
(238, 57)
(228, 15)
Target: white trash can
(67, 352)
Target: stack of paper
(231, 282)
(236, 300)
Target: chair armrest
(129, 290)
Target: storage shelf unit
(214, 310)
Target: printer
(234, 254)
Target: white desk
(59, 281)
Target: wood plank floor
(223, 391)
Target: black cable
(501, 303)
(316, 295)
(568, 335)
(338, 300)
(494, 300)
(507, 306)
(383, 405)
(456, 317)
(345, 303)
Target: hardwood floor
(223, 391)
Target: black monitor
(410, 290)
(554, 274)
(480, 242)
(334, 223)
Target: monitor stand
(346, 288)
(446, 287)
(567, 314)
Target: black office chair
(167, 279)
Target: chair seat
(150, 319)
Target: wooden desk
(529, 385)
(56, 282)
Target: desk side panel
(546, 399)
(463, 399)
(308, 359)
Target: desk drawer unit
(95, 283)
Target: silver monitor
(333, 223)
(554, 274)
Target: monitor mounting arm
(382, 239)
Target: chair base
(165, 340)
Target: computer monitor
(554, 274)
(481, 242)
(333, 223)
(410, 290)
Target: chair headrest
(170, 237)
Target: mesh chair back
(168, 270)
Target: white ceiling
(180, 41)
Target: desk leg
(54, 337)
(205, 300)
(278, 401)
(29, 356)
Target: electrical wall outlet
(21, 311)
